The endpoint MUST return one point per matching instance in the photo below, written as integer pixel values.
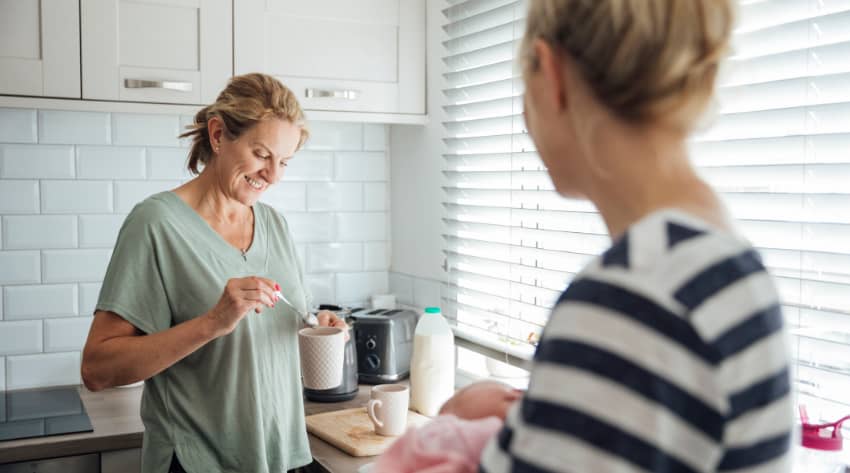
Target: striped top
(666, 354)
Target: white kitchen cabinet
(337, 55)
(168, 51)
(40, 48)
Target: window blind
(778, 150)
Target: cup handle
(370, 409)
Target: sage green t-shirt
(235, 404)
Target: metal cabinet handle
(334, 94)
(158, 84)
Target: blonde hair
(247, 100)
(648, 61)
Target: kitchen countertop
(114, 414)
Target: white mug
(322, 351)
(387, 408)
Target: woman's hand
(330, 319)
(240, 296)
(482, 399)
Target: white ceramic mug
(387, 408)
(322, 351)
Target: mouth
(258, 185)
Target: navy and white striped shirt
(666, 354)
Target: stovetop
(41, 413)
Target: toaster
(384, 340)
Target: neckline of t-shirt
(215, 238)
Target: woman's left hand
(330, 319)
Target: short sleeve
(133, 287)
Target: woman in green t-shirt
(188, 301)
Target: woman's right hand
(240, 296)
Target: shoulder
(153, 213)
(270, 215)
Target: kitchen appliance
(348, 389)
(42, 412)
(384, 340)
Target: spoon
(308, 318)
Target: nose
(274, 171)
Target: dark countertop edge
(67, 445)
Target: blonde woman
(666, 353)
(188, 300)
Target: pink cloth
(444, 445)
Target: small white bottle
(432, 367)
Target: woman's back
(666, 354)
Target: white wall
(68, 179)
(416, 187)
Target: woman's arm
(118, 353)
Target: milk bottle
(432, 367)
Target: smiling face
(249, 164)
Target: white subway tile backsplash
(402, 286)
(39, 232)
(17, 125)
(371, 226)
(18, 197)
(20, 267)
(64, 127)
(88, 297)
(321, 286)
(3, 379)
(333, 257)
(74, 265)
(100, 231)
(374, 137)
(168, 163)
(36, 161)
(426, 293)
(359, 287)
(335, 196)
(42, 370)
(30, 302)
(363, 166)
(110, 162)
(68, 334)
(76, 197)
(145, 129)
(310, 166)
(335, 136)
(130, 193)
(22, 337)
(310, 227)
(375, 196)
(376, 256)
(286, 196)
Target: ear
(215, 129)
(551, 67)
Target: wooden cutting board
(351, 431)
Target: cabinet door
(172, 51)
(40, 48)
(363, 56)
(121, 461)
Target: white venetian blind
(779, 152)
(511, 243)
